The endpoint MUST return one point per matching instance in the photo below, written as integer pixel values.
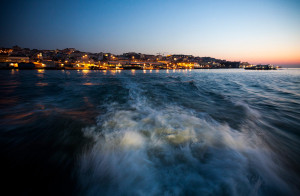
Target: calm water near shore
(159, 132)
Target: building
(49, 64)
(230, 64)
(14, 59)
(26, 66)
(5, 50)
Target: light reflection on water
(41, 84)
(41, 71)
(85, 71)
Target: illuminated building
(14, 59)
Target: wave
(146, 149)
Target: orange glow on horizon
(276, 56)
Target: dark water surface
(183, 132)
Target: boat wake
(140, 148)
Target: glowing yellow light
(14, 64)
(85, 71)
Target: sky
(257, 31)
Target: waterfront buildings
(70, 58)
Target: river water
(159, 132)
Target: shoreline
(108, 69)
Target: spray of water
(142, 149)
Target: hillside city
(70, 58)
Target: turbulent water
(160, 132)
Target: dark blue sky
(256, 31)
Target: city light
(96, 61)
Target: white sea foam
(143, 150)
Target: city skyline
(257, 31)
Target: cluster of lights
(14, 65)
(5, 51)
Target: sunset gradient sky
(257, 31)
